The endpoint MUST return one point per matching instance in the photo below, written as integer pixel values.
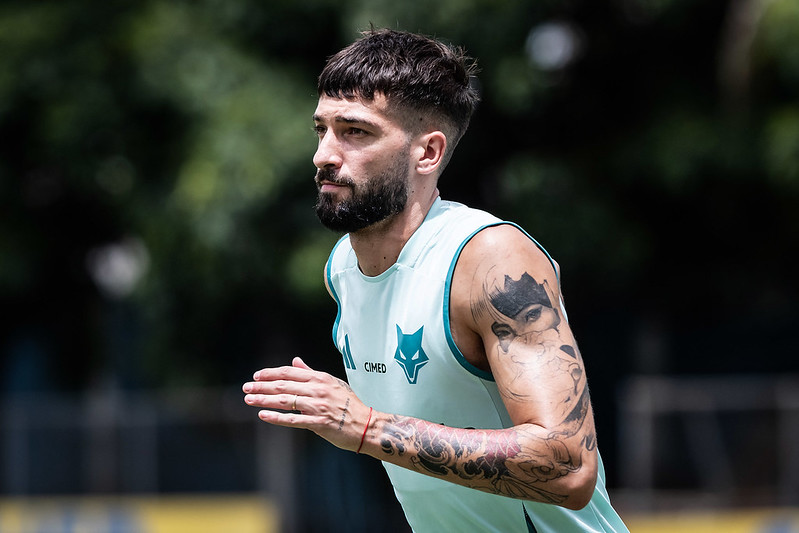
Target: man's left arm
(505, 307)
(506, 296)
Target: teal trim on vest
(552, 261)
(527, 520)
(328, 275)
(482, 374)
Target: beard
(377, 199)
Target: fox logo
(409, 354)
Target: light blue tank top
(394, 334)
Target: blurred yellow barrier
(750, 521)
(155, 514)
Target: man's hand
(298, 396)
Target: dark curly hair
(426, 82)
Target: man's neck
(378, 247)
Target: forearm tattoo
(493, 461)
(521, 461)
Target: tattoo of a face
(520, 307)
(522, 310)
(516, 296)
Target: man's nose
(328, 152)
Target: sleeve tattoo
(516, 462)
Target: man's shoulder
(454, 207)
(506, 244)
(455, 215)
(482, 226)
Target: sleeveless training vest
(394, 334)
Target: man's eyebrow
(347, 120)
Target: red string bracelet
(364, 431)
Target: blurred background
(158, 245)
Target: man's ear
(432, 147)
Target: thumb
(299, 363)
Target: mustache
(330, 175)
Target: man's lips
(331, 186)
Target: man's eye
(319, 130)
(356, 131)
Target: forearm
(525, 462)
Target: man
(465, 377)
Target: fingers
(300, 397)
(279, 418)
(283, 388)
(278, 386)
(289, 373)
(284, 402)
(299, 363)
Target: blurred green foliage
(609, 130)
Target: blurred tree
(650, 146)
